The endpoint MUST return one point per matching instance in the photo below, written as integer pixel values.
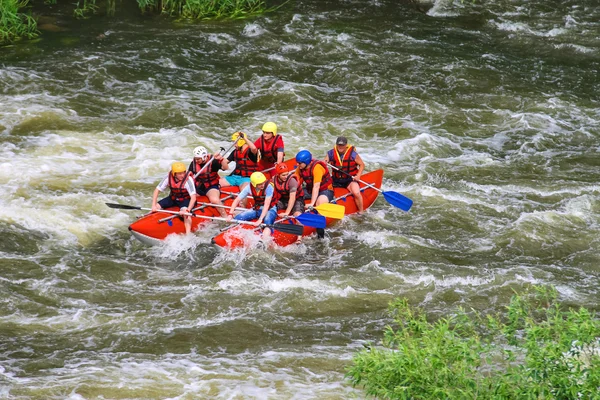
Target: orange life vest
(307, 175)
(207, 178)
(259, 197)
(244, 166)
(268, 151)
(282, 190)
(346, 163)
(178, 190)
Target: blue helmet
(304, 156)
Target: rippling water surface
(488, 117)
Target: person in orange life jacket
(347, 159)
(262, 190)
(246, 158)
(183, 193)
(318, 181)
(207, 182)
(271, 147)
(289, 195)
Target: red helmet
(281, 168)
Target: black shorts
(342, 183)
(203, 190)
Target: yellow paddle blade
(330, 210)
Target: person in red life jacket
(246, 157)
(271, 147)
(289, 195)
(206, 177)
(183, 193)
(317, 179)
(347, 159)
(262, 190)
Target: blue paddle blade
(310, 219)
(398, 200)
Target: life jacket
(259, 197)
(282, 190)
(178, 190)
(346, 163)
(268, 151)
(244, 166)
(307, 175)
(207, 178)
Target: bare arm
(361, 167)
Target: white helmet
(200, 152)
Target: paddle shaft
(209, 162)
(202, 207)
(361, 181)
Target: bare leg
(214, 196)
(244, 202)
(354, 188)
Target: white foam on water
(253, 30)
(239, 283)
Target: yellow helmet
(270, 127)
(178, 167)
(237, 137)
(257, 178)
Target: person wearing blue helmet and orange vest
(264, 209)
(206, 177)
(271, 147)
(317, 179)
(183, 193)
(346, 158)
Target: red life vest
(282, 190)
(346, 163)
(178, 190)
(244, 166)
(268, 151)
(259, 197)
(207, 178)
(307, 176)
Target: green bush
(536, 350)
(14, 24)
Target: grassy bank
(537, 349)
(16, 24)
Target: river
(488, 117)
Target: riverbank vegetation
(536, 349)
(15, 24)
(17, 18)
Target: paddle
(394, 198)
(330, 210)
(209, 162)
(202, 207)
(286, 228)
(307, 219)
(292, 229)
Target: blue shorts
(237, 180)
(327, 193)
(168, 202)
(203, 190)
(254, 214)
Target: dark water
(486, 116)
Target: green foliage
(536, 350)
(83, 9)
(206, 9)
(14, 24)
